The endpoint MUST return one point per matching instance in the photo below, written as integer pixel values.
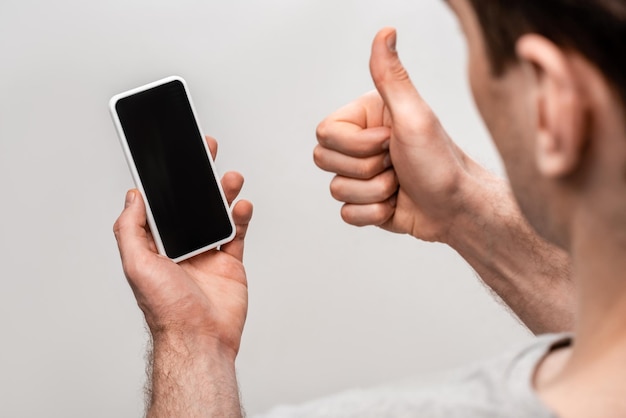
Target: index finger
(357, 129)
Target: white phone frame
(135, 174)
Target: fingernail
(391, 41)
(393, 201)
(130, 198)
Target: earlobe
(559, 106)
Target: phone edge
(137, 180)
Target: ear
(560, 105)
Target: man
(549, 80)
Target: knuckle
(380, 214)
(120, 225)
(347, 216)
(322, 131)
(318, 156)
(336, 188)
(119, 228)
(134, 266)
(394, 73)
(399, 73)
(116, 228)
(131, 269)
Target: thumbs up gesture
(395, 166)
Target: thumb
(391, 78)
(130, 227)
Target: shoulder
(499, 387)
(504, 385)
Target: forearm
(530, 275)
(191, 377)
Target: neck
(599, 265)
(588, 380)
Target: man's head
(549, 79)
(594, 28)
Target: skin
(195, 311)
(563, 143)
(564, 147)
(397, 168)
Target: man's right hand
(396, 166)
(398, 169)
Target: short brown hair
(594, 28)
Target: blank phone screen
(174, 168)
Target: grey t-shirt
(498, 388)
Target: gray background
(331, 306)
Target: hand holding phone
(172, 167)
(200, 304)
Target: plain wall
(331, 306)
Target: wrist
(481, 198)
(191, 375)
(193, 346)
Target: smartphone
(172, 167)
